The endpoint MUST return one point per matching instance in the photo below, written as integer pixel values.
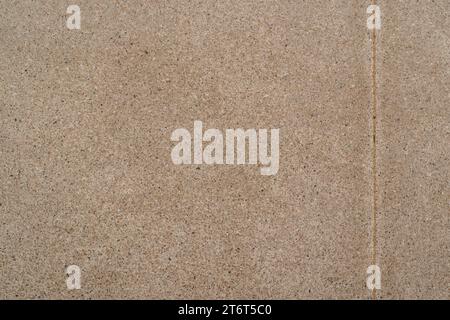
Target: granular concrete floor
(87, 178)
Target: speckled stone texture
(87, 179)
(414, 149)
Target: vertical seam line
(374, 102)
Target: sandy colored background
(85, 169)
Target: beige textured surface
(87, 179)
(414, 150)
